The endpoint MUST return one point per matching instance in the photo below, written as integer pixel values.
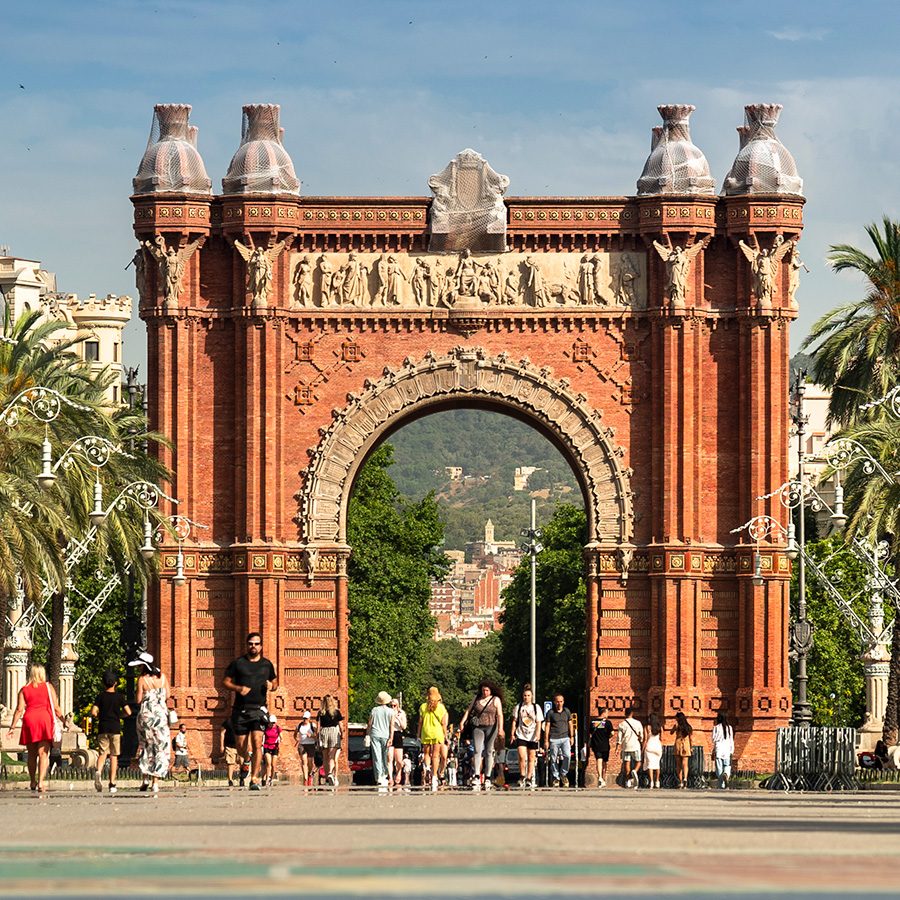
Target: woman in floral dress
(154, 737)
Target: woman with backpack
(433, 721)
(525, 733)
(486, 714)
(683, 747)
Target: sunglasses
(254, 643)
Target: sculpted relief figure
(512, 287)
(534, 280)
(764, 267)
(326, 281)
(466, 275)
(303, 280)
(489, 282)
(795, 265)
(259, 270)
(587, 291)
(391, 276)
(354, 282)
(625, 277)
(678, 262)
(171, 266)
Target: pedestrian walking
(180, 746)
(432, 732)
(525, 734)
(108, 709)
(271, 744)
(229, 746)
(250, 677)
(399, 725)
(683, 747)
(653, 749)
(559, 733)
(38, 709)
(601, 732)
(154, 738)
(378, 732)
(723, 748)
(305, 736)
(628, 737)
(329, 736)
(486, 714)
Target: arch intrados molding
(469, 374)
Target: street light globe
(148, 551)
(97, 517)
(46, 479)
(179, 580)
(839, 520)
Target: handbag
(57, 722)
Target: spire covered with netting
(763, 164)
(675, 165)
(171, 162)
(261, 165)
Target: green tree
(395, 556)
(35, 528)
(457, 670)
(836, 688)
(560, 612)
(856, 353)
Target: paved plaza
(212, 841)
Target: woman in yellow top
(433, 720)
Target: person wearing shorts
(433, 721)
(249, 677)
(629, 736)
(305, 735)
(229, 745)
(271, 742)
(108, 709)
(525, 731)
(329, 737)
(601, 732)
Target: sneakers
(230, 783)
(254, 785)
(629, 782)
(113, 789)
(554, 782)
(155, 788)
(434, 783)
(145, 786)
(98, 782)
(601, 783)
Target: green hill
(488, 446)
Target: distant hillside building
(25, 286)
(521, 476)
(454, 473)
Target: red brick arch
(465, 376)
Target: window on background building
(115, 393)
(116, 351)
(92, 351)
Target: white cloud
(789, 33)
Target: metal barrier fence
(815, 759)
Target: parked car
(511, 773)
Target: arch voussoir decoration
(468, 374)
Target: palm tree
(856, 353)
(856, 347)
(36, 527)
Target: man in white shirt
(629, 740)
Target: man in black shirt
(108, 709)
(559, 731)
(250, 676)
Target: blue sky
(376, 96)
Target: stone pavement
(217, 842)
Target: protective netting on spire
(468, 212)
(763, 164)
(171, 162)
(675, 165)
(261, 165)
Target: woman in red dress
(36, 708)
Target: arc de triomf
(646, 336)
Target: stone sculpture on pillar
(678, 262)
(171, 267)
(468, 211)
(259, 270)
(764, 266)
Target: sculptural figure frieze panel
(445, 280)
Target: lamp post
(532, 548)
(802, 630)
